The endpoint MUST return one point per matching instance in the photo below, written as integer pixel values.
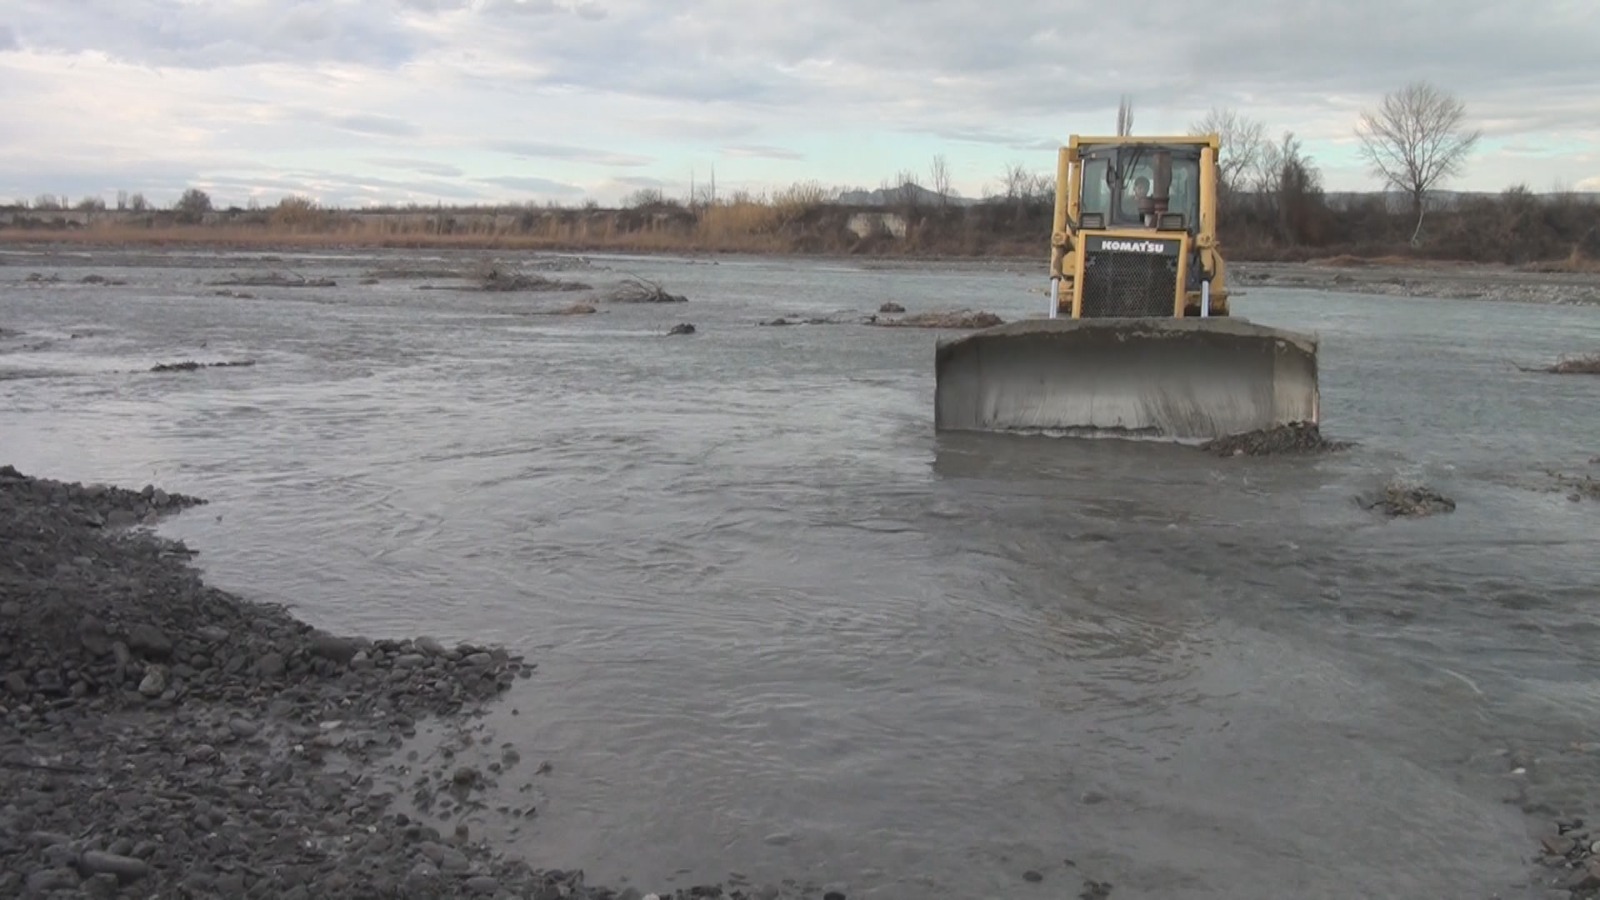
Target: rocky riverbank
(1452, 280)
(162, 738)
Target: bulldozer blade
(1176, 379)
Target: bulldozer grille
(1123, 283)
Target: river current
(785, 629)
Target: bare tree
(1414, 140)
(1289, 190)
(1244, 148)
(906, 191)
(1015, 181)
(1125, 116)
(941, 178)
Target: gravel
(162, 738)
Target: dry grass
(599, 236)
(1578, 264)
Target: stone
(46, 880)
(338, 649)
(125, 868)
(1557, 845)
(149, 641)
(101, 886)
(154, 683)
(61, 856)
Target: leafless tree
(1289, 189)
(941, 178)
(907, 191)
(1125, 116)
(1244, 148)
(1015, 181)
(1416, 139)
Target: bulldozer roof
(1128, 140)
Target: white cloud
(494, 95)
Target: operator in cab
(1135, 208)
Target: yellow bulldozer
(1138, 338)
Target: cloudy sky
(357, 101)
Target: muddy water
(785, 630)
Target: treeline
(1293, 219)
(1272, 206)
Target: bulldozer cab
(1134, 233)
(1137, 186)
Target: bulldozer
(1138, 339)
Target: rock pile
(1583, 365)
(159, 737)
(1294, 437)
(274, 279)
(961, 318)
(498, 279)
(1398, 500)
(639, 290)
(1575, 848)
(192, 366)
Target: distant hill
(895, 196)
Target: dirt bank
(162, 738)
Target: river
(784, 629)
